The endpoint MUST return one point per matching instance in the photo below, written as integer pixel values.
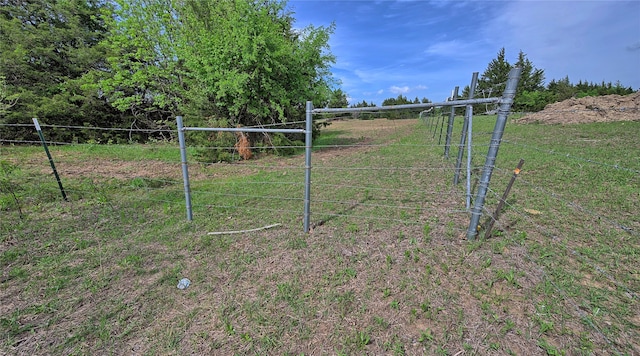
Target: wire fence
(236, 194)
(577, 200)
(386, 174)
(403, 187)
(406, 187)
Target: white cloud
(457, 49)
(380, 91)
(421, 87)
(445, 48)
(586, 40)
(399, 90)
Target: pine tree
(47, 48)
(494, 78)
(493, 81)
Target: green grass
(385, 271)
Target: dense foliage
(47, 48)
(140, 63)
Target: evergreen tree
(338, 99)
(47, 47)
(561, 89)
(493, 81)
(531, 78)
(495, 75)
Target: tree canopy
(234, 59)
(47, 47)
(139, 63)
(531, 93)
(492, 82)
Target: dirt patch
(99, 169)
(375, 127)
(362, 135)
(607, 108)
(121, 169)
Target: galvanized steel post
(469, 115)
(452, 115)
(307, 166)
(185, 171)
(496, 138)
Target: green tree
(494, 76)
(363, 115)
(404, 113)
(493, 81)
(47, 48)
(531, 78)
(236, 60)
(338, 99)
(399, 100)
(561, 89)
(143, 73)
(7, 100)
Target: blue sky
(426, 48)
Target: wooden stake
(495, 216)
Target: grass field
(385, 270)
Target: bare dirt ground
(605, 108)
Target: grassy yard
(385, 270)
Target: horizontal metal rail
(409, 106)
(242, 129)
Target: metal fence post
(452, 115)
(469, 115)
(442, 119)
(53, 166)
(185, 171)
(496, 138)
(307, 165)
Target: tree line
(139, 63)
(531, 94)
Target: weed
(508, 326)
(386, 292)
(352, 228)
(426, 231)
(395, 304)
(509, 276)
(426, 336)
(549, 348)
(362, 339)
(389, 261)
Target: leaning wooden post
(493, 219)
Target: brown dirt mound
(605, 108)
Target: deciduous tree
(237, 60)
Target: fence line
(337, 168)
(559, 236)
